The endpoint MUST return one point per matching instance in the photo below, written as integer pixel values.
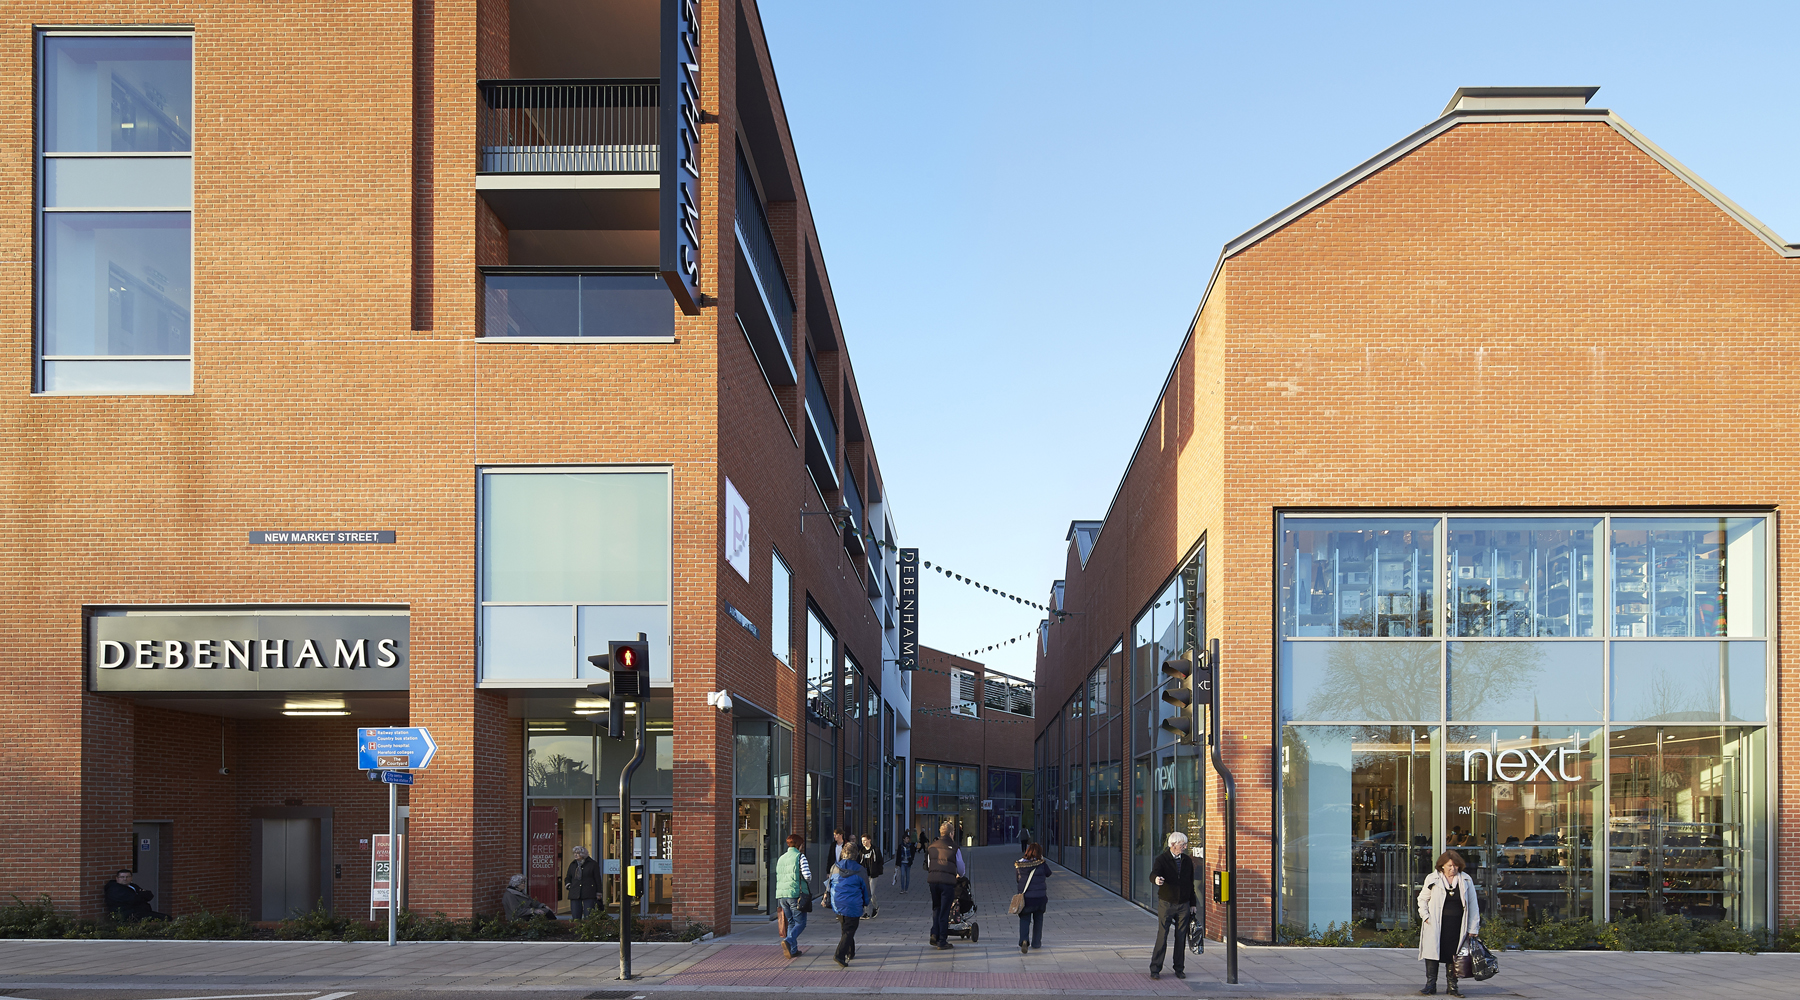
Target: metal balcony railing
(568, 126)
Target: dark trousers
(942, 895)
(1031, 928)
(1171, 914)
(579, 908)
(846, 948)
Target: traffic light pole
(627, 847)
(1229, 788)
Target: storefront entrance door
(1529, 844)
(652, 856)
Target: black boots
(1430, 987)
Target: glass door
(1521, 806)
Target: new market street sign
(409, 748)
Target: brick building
(1474, 461)
(972, 733)
(374, 366)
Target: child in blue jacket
(850, 891)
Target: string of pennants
(958, 577)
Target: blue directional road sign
(396, 777)
(410, 748)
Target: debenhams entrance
(1576, 704)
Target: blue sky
(1020, 204)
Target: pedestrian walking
(943, 863)
(582, 883)
(851, 894)
(1450, 916)
(903, 860)
(1032, 873)
(793, 893)
(838, 839)
(1173, 873)
(1024, 840)
(872, 862)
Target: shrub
(410, 926)
(1659, 932)
(38, 919)
(207, 925)
(596, 926)
(1786, 939)
(693, 932)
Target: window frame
(574, 680)
(786, 614)
(39, 210)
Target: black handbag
(803, 904)
(1484, 965)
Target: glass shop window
(569, 562)
(1364, 577)
(1522, 577)
(1688, 577)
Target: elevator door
(290, 867)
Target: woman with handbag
(793, 893)
(1450, 915)
(1033, 898)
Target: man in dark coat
(1173, 873)
(582, 883)
(126, 902)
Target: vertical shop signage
(381, 877)
(909, 609)
(679, 158)
(542, 852)
(737, 531)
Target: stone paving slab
(1095, 943)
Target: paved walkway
(1094, 944)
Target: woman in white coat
(1451, 914)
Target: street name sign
(397, 777)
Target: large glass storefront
(572, 784)
(1577, 705)
(1110, 782)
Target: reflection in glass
(117, 283)
(1519, 804)
(1681, 681)
(559, 758)
(118, 95)
(1364, 577)
(576, 305)
(1545, 681)
(1685, 832)
(1356, 824)
(1677, 577)
(1524, 577)
(527, 642)
(1360, 681)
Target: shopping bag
(781, 922)
(1465, 962)
(1486, 965)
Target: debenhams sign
(222, 652)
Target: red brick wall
(1623, 337)
(993, 739)
(338, 384)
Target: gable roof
(1468, 104)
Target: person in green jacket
(792, 875)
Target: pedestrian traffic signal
(630, 662)
(1178, 693)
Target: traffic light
(1178, 691)
(630, 663)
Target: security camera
(719, 700)
(224, 770)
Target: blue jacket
(849, 893)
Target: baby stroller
(963, 904)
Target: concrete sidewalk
(1095, 943)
